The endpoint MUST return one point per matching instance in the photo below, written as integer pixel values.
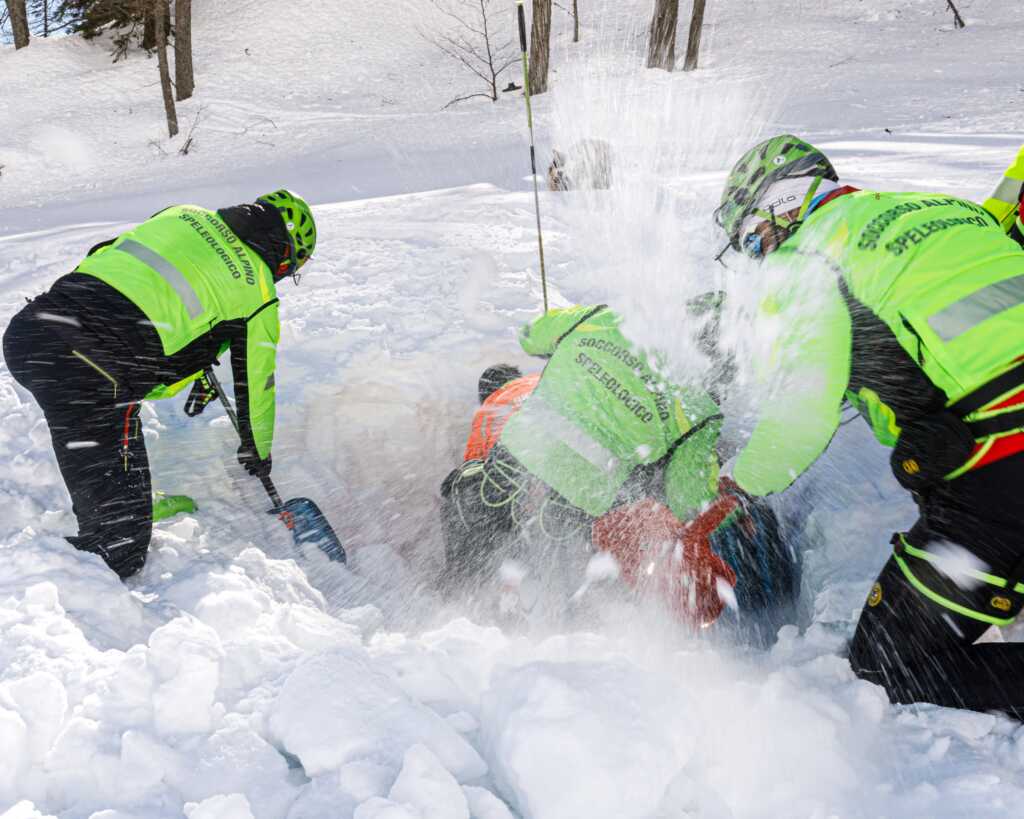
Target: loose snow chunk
(600, 740)
(378, 808)
(13, 740)
(42, 702)
(231, 806)
(485, 805)
(337, 707)
(425, 784)
(185, 654)
(312, 630)
(364, 780)
(24, 810)
(232, 613)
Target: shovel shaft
(268, 484)
(300, 516)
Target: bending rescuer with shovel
(142, 317)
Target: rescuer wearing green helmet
(911, 307)
(140, 318)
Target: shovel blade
(310, 528)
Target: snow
(236, 677)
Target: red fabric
(841, 191)
(655, 550)
(1008, 445)
(1001, 448)
(493, 414)
(1013, 400)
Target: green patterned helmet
(781, 157)
(298, 221)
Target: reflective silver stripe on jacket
(538, 412)
(1008, 190)
(174, 277)
(972, 310)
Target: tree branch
(467, 97)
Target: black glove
(252, 463)
(203, 392)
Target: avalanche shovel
(307, 523)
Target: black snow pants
(494, 509)
(97, 437)
(922, 651)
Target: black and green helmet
(298, 221)
(781, 157)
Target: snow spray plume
(639, 220)
(533, 150)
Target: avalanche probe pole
(533, 151)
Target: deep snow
(228, 681)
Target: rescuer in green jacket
(911, 307)
(601, 417)
(140, 318)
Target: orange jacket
(490, 419)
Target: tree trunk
(693, 41)
(150, 38)
(575, 21)
(46, 18)
(19, 22)
(159, 11)
(661, 51)
(184, 80)
(540, 46)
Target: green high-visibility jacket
(901, 302)
(602, 409)
(1004, 201)
(189, 273)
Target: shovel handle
(268, 484)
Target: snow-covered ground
(235, 678)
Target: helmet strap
(808, 198)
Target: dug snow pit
(426, 785)
(585, 739)
(336, 707)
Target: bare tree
(184, 79)
(661, 50)
(540, 46)
(19, 22)
(470, 41)
(575, 21)
(159, 14)
(958, 21)
(693, 41)
(41, 12)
